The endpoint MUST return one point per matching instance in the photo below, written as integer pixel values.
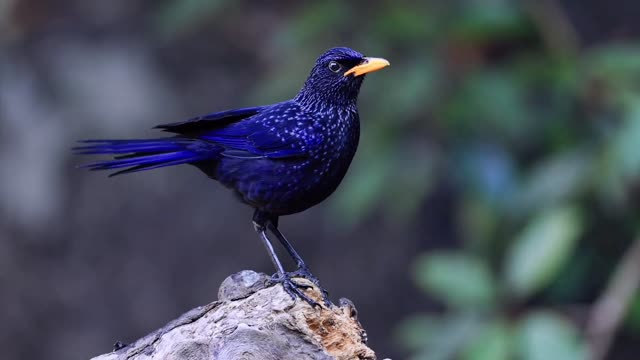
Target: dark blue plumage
(280, 159)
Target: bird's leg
(261, 230)
(273, 227)
(281, 277)
(302, 270)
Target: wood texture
(253, 321)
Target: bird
(279, 159)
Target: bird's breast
(318, 175)
(290, 185)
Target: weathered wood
(253, 321)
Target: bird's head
(337, 75)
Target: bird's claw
(292, 288)
(305, 273)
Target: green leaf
(495, 342)
(541, 250)
(458, 279)
(555, 180)
(544, 335)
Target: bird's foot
(292, 288)
(304, 272)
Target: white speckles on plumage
(280, 159)
(307, 143)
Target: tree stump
(252, 320)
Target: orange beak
(369, 64)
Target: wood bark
(255, 320)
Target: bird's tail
(140, 155)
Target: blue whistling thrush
(280, 159)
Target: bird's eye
(334, 66)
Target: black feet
(263, 221)
(305, 273)
(292, 288)
(296, 290)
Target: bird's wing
(280, 132)
(208, 122)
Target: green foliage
(494, 342)
(537, 254)
(553, 181)
(457, 279)
(544, 335)
(466, 284)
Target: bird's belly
(282, 186)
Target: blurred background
(491, 211)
